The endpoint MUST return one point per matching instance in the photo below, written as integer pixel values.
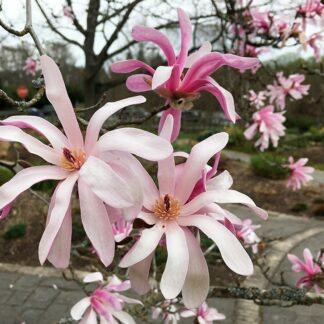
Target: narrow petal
(96, 223)
(93, 277)
(106, 183)
(123, 317)
(145, 245)
(146, 34)
(89, 317)
(166, 168)
(176, 267)
(196, 163)
(32, 145)
(79, 308)
(222, 181)
(232, 252)
(58, 97)
(205, 48)
(131, 65)
(186, 36)
(136, 141)
(101, 115)
(139, 83)
(139, 275)
(196, 286)
(42, 126)
(58, 210)
(24, 179)
(161, 75)
(176, 114)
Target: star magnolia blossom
(181, 88)
(299, 173)
(269, 124)
(283, 86)
(169, 212)
(309, 268)
(105, 302)
(256, 99)
(73, 159)
(204, 314)
(30, 66)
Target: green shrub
(302, 122)
(15, 231)
(5, 175)
(269, 166)
(236, 136)
(299, 207)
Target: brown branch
(76, 22)
(99, 104)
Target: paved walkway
(40, 296)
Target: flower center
(72, 160)
(166, 208)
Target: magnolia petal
(25, 179)
(58, 210)
(89, 317)
(131, 65)
(161, 75)
(123, 317)
(101, 115)
(176, 114)
(196, 163)
(139, 275)
(196, 286)
(145, 245)
(139, 83)
(222, 181)
(42, 126)
(58, 97)
(96, 223)
(186, 36)
(204, 49)
(93, 277)
(79, 308)
(33, 145)
(232, 252)
(136, 141)
(146, 34)
(176, 267)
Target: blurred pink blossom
(67, 11)
(256, 99)
(260, 21)
(30, 66)
(309, 268)
(315, 41)
(204, 314)
(121, 229)
(310, 9)
(299, 173)
(167, 311)
(269, 124)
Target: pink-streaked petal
(308, 257)
(218, 213)
(24, 179)
(196, 286)
(166, 168)
(205, 48)
(79, 308)
(232, 252)
(186, 36)
(42, 126)
(106, 183)
(136, 141)
(89, 317)
(139, 275)
(174, 80)
(123, 317)
(250, 131)
(5, 211)
(176, 114)
(139, 83)
(146, 34)
(161, 75)
(223, 181)
(131, 65)
(297, 264)
(145, 245)
(58, 210)
(58, 97)
(176, 267)
(96, 223)
(101, 115)
(196, 162)
(32, 145)
(93, 277)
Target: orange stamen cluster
(72, 160)
(166, 208)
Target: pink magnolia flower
(204, 314)
(121, 229)
(72, 160)
(299, 173)
(106, 302)
(308, 267)
(256, 99)
(168, 311)
(30, 67)
(180, 88)
(287, 86)
(172, 214)
(260, 21)
(269, 124)
(310, 9)
(315, 41)
(67, 12)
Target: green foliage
(299, 207)
(78, 233)
(300, 122)
(269, 166)
(5, 175)
(15, 231)
(45, 186)
(236, 136)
